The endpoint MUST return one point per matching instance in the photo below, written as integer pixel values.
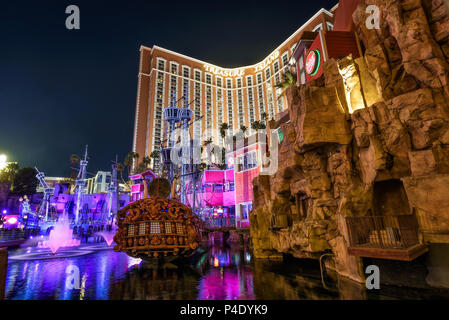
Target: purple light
(60, 236)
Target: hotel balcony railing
(389, 237)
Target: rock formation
(369, 137)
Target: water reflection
(223, 272)
(228, 276)
(46, 279)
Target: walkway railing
(220, 222)
(386, 232)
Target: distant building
(237, 96)
(137, 187)
(215, 196)
(99, 183)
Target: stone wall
(369, 137)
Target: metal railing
(389, 232)
(220, 222)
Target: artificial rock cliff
(370, 137)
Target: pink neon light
(12, 220)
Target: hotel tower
(237, 96)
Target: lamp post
(3, 162)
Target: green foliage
(141, 167)
(288, 79)
(207, 142)
(155, 154)
(223, 127)
(25, 181)
(146, 161)
(7, 174)
(258, 125)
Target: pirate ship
(157, 228)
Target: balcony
(393, 237)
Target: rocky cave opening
(390, 198)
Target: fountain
(108, 236)
(60, 236)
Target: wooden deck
(408, 254)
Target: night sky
(61, 89)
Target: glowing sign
(12, 220)
(224, 72)
(135, 188)
(268, 60)
(240, 72)
(313, 62)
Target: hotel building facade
(237, 96)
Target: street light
(2, 161)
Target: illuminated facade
(237, 96)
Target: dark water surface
(223, 272)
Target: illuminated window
(239, 82)
(141, 228)
(131, 230)
(179, 228)
(160, 64)
(168, 227)
(186, 72)
(285, 59)
(269, 92)
(155, 227)
(197, 105)
(208, 78)
(174, 67)
(240, 104)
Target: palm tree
(264, 116)
(207, 142)
(223, 128)
(258, 125)
(288, 79)
(120, 168)
(155, 154)
(243, 129)
(130, 159)
(146, 161)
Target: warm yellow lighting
(2, 161)
(267, 61)
(241, 71)
(224, 72)
(351, 81)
